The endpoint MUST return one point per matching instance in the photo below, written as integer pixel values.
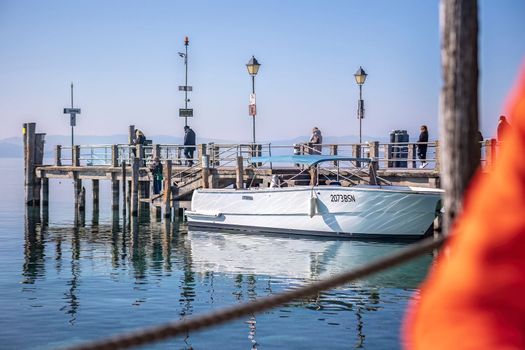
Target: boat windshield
(309, 160)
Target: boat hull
(334, 211)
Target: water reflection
(34, 247)
(222, 268)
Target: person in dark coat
(422, 148)
(189, 142)
(156, 171)
(503, 126)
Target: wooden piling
(490, 153)
(412, 156)
(58, 155)
(167, 189)
(128, 195)
(76, 155)
(77, 186)
(239, 173)
(135, 187)
(82, 199)
(131, 134)
(374, 151)
(356, 152)
(372, 171)
(114, 192)
(95, 190)
(205, 169)
(45, 191)
(458, 102)
(123, 188)
(333, 152)
(29, 163)
(114, 156)
(38, 160)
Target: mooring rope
(198, 322)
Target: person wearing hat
(189, 143)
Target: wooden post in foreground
(458, 102)
(239, 174)
(135, 187)
(167, 189)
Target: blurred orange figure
(474, 298)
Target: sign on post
(71, 110)
(185, 112)
(253, 110)
(185, 88)
(252, 107)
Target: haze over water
(67, 279)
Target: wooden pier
(215, 166)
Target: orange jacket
(474, 297)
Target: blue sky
(122, 58)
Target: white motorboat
(360, 211)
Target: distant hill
(12, 147)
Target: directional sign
(185, 88)
(185, 112)
(253, 110)
(71, 110)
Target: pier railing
(401, 155)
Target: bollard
(239, 173)
(167, 189)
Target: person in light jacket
(316, 141)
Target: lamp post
(360, 77)
(253, 68)
(185, 112)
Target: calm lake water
(65, 279)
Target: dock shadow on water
(101, 273)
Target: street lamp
(360, 77)
(253, 68)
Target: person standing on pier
(156, 171)
(316, 141)
(422, 146)
(503, 126)
(189, 143)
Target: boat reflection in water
(299, 259)
(291, 261)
